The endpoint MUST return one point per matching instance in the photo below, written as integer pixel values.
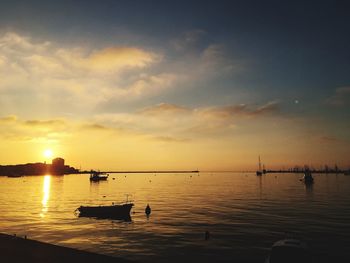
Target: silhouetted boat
(113, 211)
(259, 172)
(289, 251)
(98, 176)
(307, 178)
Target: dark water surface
(244, 214)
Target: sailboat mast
(259, 164)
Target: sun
(48, 153)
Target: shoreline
(18, 249)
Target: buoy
(148, 210)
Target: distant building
(57, 166)
(58, 162)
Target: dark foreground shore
(16, 249)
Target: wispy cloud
(166, 121)
(95, 127)
(45, 123)
(341, 97)
(52, 130)
(8, 119)
(188, 40)
(165, 108)
(240, 110)
(326, 139)
(169, 139)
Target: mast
(259, 164)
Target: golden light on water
(46, 194)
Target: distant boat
(113, 211)
(307, 178)
(289, 251)
(98, 176)
(259, 172)
(264, 170)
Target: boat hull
(113, 211)
(99, 178)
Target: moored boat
(307, 178)
(121, 211)
(259, 172)
(98, 176)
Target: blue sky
(246, 64)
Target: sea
(244, 214)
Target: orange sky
(110, 96)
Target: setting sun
(48, 153)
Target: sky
(208, 85)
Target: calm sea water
(244, 214)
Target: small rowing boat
(121, 211)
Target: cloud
(80, 80)
(165, 108)
(8, 119)
(239, 110)
(172, 122)
(49, 130)
(150, 84)
(169, 139)
(188, 40)
(44, 123)
(95, 127)
(116, 58)
(328, 139)
(74, 78)
(340, 98)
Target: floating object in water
(148, 210)
(289, 250)
(307, 178)
(206, 235)
(104, 196)
(96, 176)
(113, 178)
(112, 211)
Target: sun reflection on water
(46, 194)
